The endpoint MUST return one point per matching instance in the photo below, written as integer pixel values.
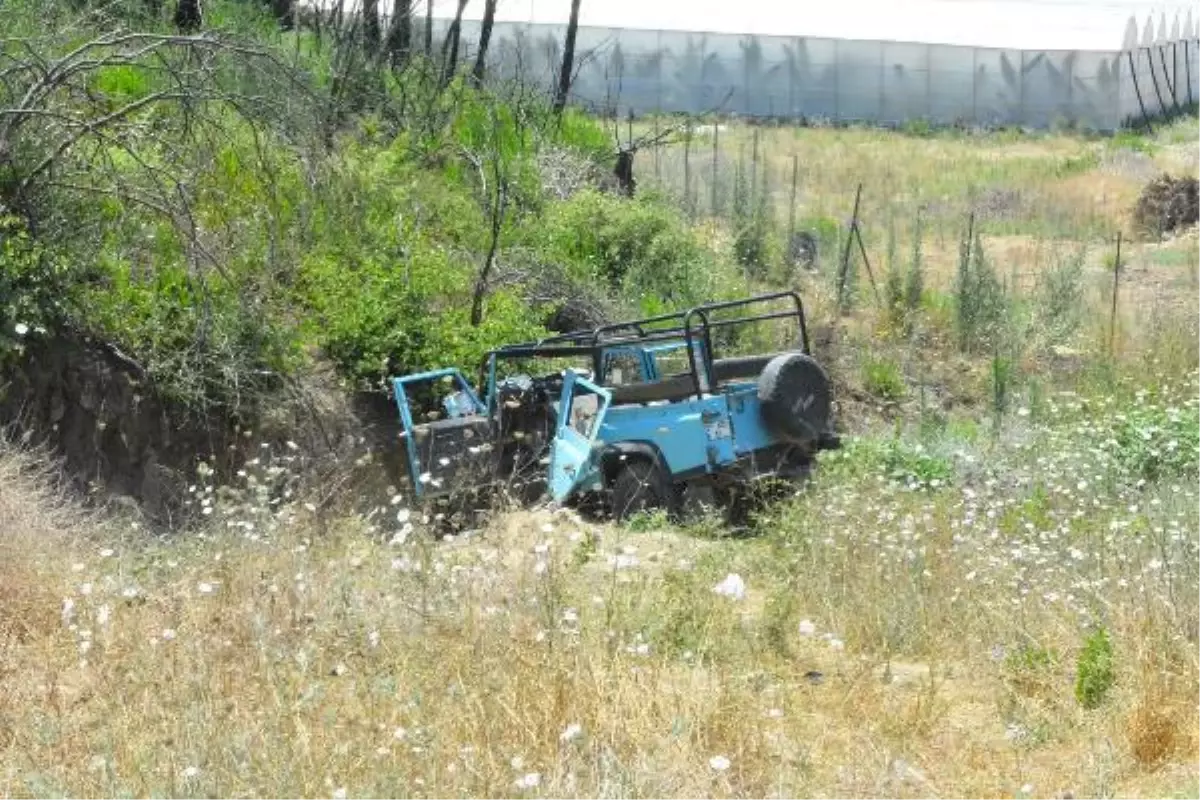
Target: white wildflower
(719, 763)
(732, 586)
(21, 329)
(168, 634)
(807, 628)
(529, 780)
(204, 587)
(191, 772)
(571, 732)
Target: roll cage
(691, 330)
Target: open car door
(452, 451)
(581, 410)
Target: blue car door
(580, 412)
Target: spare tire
(794, 393)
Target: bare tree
(399, 37)
(285, 13)
(429, 28)
(450, 45)
(568, 60)
(370, 15)
(485, 37)
(64, 143)
(188, 17)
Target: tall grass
(877, 638)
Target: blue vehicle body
(703, 427)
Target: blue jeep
(646, 413)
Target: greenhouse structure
(1031, 63)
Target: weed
(882, 378)
(915, 467)
(1095, 670)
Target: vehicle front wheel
(642, 486)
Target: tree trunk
(481, 281)
(485, 36)
(370, 15)
(568, 60)
(187, 16)
(399, 38)
(285, 13)
(429, 28)
(450, 46)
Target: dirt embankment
(120, 440)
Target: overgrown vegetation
(234, 201)
(990, 590)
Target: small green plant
(1001, 383)
(914, 283)
(755, 244)
(645, 521)
(981, 304)
(882, 378)
(1095, 671)
(586, 549)
(914, 466)
(1060, 295)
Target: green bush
(1095, 670)
(882, 378)
(1154, 442)
(1060, 295)
(641, 248)
(981, 305)
(36, 286)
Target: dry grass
(274, 662)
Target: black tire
(795, 396)
(641, 486)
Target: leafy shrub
(204, 342)
(1095, 671)
(912, 465)
(981, 305)
(916, 467)
(882, 378)
(640, 247)
(1060, 290)
(1155, 441)
(35, 284)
